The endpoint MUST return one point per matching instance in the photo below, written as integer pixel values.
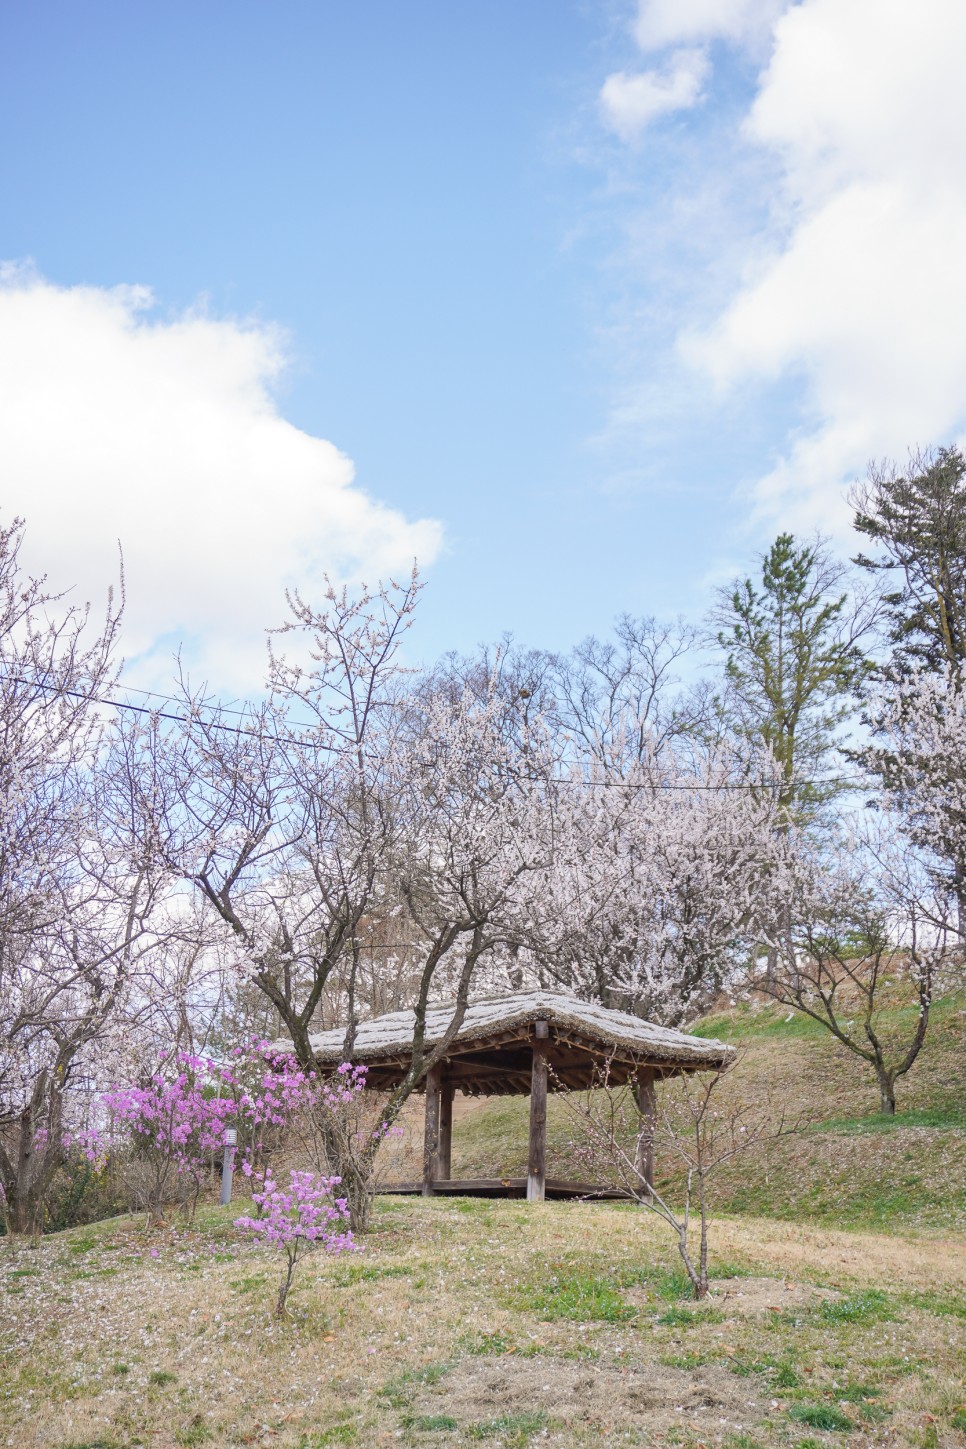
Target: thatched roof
(490, 1053)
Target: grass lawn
(468, 1322)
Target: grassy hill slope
(849, 1167)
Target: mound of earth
(610, 1395)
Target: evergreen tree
(917, 520)
(792, 658)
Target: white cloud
(862, 105)
(631, 102)
(673, 22)
(165, 434)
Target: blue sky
(594, 290)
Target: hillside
(848, 1167)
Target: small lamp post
(228, 1165)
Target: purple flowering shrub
(342, 1136)
(175, 1122)
(295, 1219)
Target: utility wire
(349, 750)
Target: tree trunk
(887, 1097)
(434, 1079)
(644, 1096)
(23, 1216)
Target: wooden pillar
(445, 1132)
(537, 1163)
(645, 1096)
(431, 1134)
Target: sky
(578, 302)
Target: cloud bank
(853, 285)
(165, 434)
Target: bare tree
(621, 699)
(869, 931)
(703, 1133)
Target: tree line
(772, 800)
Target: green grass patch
(24, 1273)
(958, 1420)
(678, 1317)
(160, 1377)
(337, 1434)
(870, 1305)
(821, 1416)
(516, 1430)
(689, 1361)
(430, 1423)
(82, 1245)
(941, 1305)
(197, 1431)
(950, 1116)
(249, 1284)
(770, 1022)
(398, 1391)
(580, 1297)
(486, 1345)
(359, 1273)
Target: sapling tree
(701, 1130)
(297, 1218)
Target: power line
(348, 750)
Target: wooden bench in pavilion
(529, 1042)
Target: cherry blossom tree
(343, 801)
(656, 875)
(77, 892)
(920, 757)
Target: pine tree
(792, 657)
(917, 519)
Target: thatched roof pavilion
(526, 1042)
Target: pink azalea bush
(175, 1120)
(302, 1216)
(343, 1134)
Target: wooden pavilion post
(646, 1098)
(445, 1153)
(537, 1162)
(431, 1133)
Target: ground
(468, 1322)
(497, 1323)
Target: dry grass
(470, 1322)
